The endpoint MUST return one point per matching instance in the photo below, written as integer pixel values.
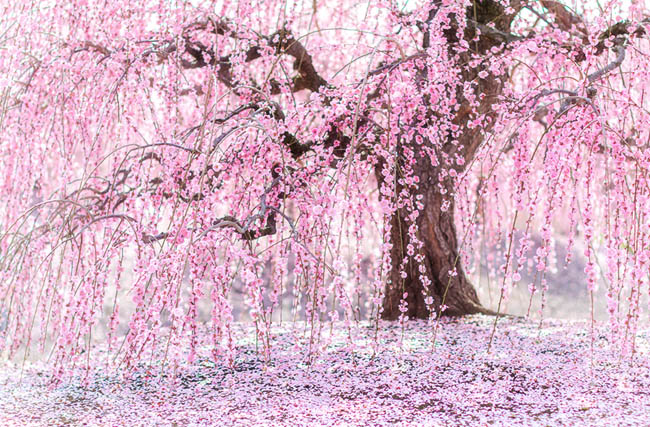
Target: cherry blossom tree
(341, 159)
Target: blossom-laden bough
(326, 159)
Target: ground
(559, 374)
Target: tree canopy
(329, 160)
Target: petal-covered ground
(561, 374)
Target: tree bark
(437, 232)
(436, 228)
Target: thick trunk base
(453, 294)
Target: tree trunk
(437, 232)
(436, 228)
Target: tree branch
(621, 31)
(620, 57)
(564, 18)
(282, 41)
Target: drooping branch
(613, 37)
(565, 19)
(308, 77)
(246, 228)
(282, 41)
(618, 33)
(620, 57)
(494, 33)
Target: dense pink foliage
(137, 169)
